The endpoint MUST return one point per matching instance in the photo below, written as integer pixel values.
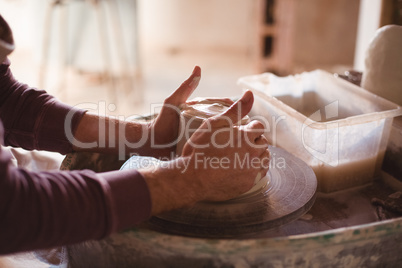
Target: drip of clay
(193, 115)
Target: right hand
(213, 165)
(232, 148)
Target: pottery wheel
(289, 194)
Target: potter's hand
(219, 162)
(227, 158)
(164, 130)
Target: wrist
(172, 186)
(136, 137)
(153, 145)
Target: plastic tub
(336, 127)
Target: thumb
(183, 92)
(239, 109)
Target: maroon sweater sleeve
(32, 118)
(46, 209)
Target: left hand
(164, 129)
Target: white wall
(197, 24)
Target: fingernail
(195, 81)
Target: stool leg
(46, 43)
(63, 53)
(120, 44)
(104, 43)
(137, 59)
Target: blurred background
(124, 55)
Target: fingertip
(245, 102)
(255, 124)
(197, 71)
(244, 99)
(240, 108)
(247, 96)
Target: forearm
(59, 208)
(109, 135)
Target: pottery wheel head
(289, 192)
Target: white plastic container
(338, 128)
